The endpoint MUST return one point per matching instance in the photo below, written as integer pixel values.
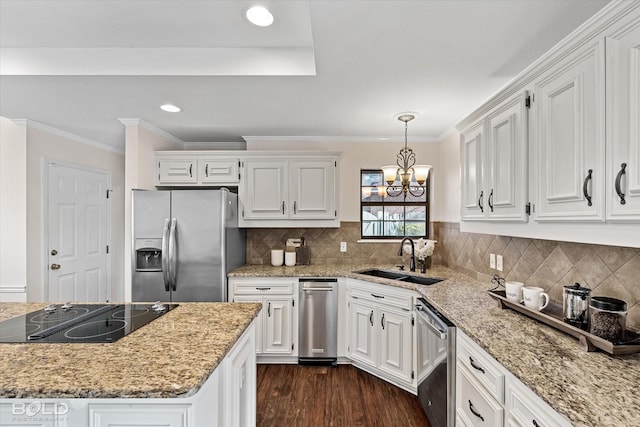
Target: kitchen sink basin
(402, 277)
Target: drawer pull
(377, 296)
(475, 366)
(535, 424)
(263, 289)
(477, 414)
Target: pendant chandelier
(406, 168)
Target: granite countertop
(589, 388)
(170, 357)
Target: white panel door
(395, 345)
(77, 238)
(472, 153)
(312, 189)
(362, 333)
(277, 316)
(569, 139)
(623, 125)
(506, 186)
(266, 192)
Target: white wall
(443, 156)
(13, 211)
(47, 144)
(448, 198)
(141, 140)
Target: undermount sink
(402, 277)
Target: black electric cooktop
(80, 323)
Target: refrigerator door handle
(165, 254)
(173, 259)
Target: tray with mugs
(539, 308)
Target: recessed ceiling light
(170, 108)
(260, 16)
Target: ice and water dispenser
(148, 254)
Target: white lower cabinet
(278, 321)
(489, 395)
(381, 332)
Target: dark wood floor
(312, 396)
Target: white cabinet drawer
(263, 288)
(381, 294)
(479, 408)
(482, 367)
(527, 409)
(212, 171)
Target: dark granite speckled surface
(169, 357)
(590, 389)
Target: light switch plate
(499, 262)
(492, 260)
(343, 246)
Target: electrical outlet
(499, 262)
(492, 260)
(343, 246)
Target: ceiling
(330, 69)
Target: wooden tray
(552, 316)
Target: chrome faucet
(412, 263)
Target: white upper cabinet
(506, 165)
(176, 171)
(568, 133)
(289, 192)
(195, 169)
(494, 164)
(312, 189)
(623, 124)
(472, 158)
(218, 171)
(265, 192)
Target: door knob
(54, 252)
(55, 266)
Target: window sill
(379, 241)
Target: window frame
(404, 203)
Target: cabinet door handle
(480, 201)
(295, 208)
(263, 289)
(536, 424)
(475, 366)
(377, 296)
(191, 171)
(585, 187)
(382, 321)
(283, 207)
(491, 200)
(473, 411)
(206, 170)
(371, 317)
(622, 171)
(269, 310)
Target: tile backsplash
(606, 270)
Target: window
(385, 217)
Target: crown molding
(65, 134)
(130, 122)
(340, 139)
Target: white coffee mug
(289, 259)
(533, 297)
(277, 257)
(513, 290)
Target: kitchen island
(181, 368)
(589, 389)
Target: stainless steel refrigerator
(184, 243)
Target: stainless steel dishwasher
(318, 321)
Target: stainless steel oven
(436, 365)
